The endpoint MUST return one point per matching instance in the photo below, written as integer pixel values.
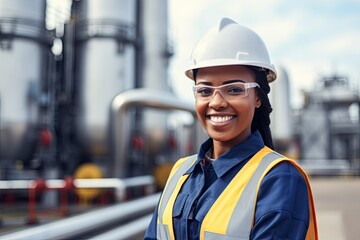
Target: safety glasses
(229, 91)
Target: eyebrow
(233, 80)
(225, 82)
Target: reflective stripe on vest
(175, 181)
(231, 216)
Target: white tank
(281, 124)
(155, 57)
(154, 25)
(104, 65)
(23, 52)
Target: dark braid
(261, 120)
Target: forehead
(224, 73)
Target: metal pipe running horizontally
(73, 227)
(81, 183)
(120, 185)
(127, 231)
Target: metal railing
(120, 185)
(35, 187)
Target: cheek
(253, 102)
(246, 109)
(200, 110)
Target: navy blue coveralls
(282, 210)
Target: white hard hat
(231, 44)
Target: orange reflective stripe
(312, 233)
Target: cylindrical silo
(104, 66)
(155, 49)
(23, 55)
(154, 75)
(281, 117)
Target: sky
(308, 39)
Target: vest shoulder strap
(222, 213)
(244, 219)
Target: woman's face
(227, 120)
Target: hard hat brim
(271, 73)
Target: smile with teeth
(220, 119)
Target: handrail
(80, 183)
(76, 226)
(120, 185)
(139, 97)
(68, 184)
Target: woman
(236, 187)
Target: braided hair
(261, 120)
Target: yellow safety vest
(235, 207)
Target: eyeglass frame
(247, 86)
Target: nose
(217, 101)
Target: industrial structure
(90, 98)
(281, 117)
(324, 134)
(98, 106)
(101, 105)
(328, 127)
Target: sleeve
(282, 208)
(151, 230)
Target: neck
(221, 147)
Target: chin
(220, 137)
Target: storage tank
(281, 117)
(155, 55)
(104, 66)
(23, 55)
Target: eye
(236, 90)
(204, 91)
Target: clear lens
(228, 91)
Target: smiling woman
(236, 186)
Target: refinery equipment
(102, 101)
(102, 105)
(324, 135)
(281, 117)
(25, 87)
(328, 128)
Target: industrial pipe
(75, 227)
(140, 97)
(81, 183)
(127, 231)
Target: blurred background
(95, 107)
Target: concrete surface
(337, 202)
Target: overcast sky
(308, 38)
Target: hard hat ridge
(231, 44)
(224, 22)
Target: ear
(258, 101)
